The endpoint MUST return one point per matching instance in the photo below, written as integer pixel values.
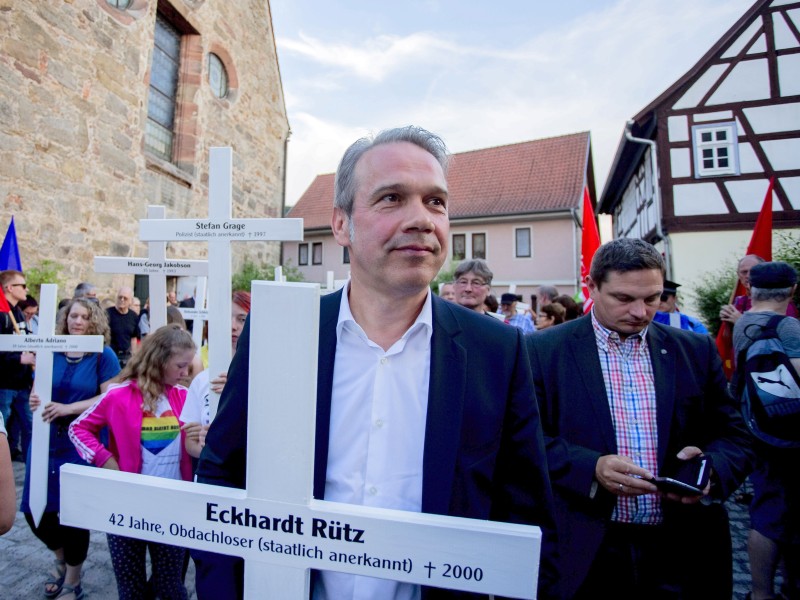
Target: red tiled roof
(529, 177)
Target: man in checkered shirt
(623, 399)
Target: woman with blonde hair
(141, 413)
(78, 380)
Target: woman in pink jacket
(145, 437)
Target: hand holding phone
(690, 479)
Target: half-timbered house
(692, 168)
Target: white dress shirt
(379, 404)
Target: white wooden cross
(199, 314)
(275, 524)
(44, 343)
(157, 267)
(219, 230)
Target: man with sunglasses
(16, 368)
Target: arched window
(217, 76)
(120, 4)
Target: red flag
(4, 306)
(590, 242)
(760, 245)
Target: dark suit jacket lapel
(663, 355)
(445, 408)
(583, 346)
(329, 316)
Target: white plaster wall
(789, 74)
(743, 38)
(784, 38)
(792, 187)
(680, 162)
(783, 155)
(695, 254)
(698, 199)
(722, 115)
(749, 80)
(678, 128)
(748, 195)
(777, 117)
(695, 93)
(748, 161)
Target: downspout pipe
(656, 193)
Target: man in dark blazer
(621, 400)
(482, 452)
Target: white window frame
(314, 246)
(300, 262)
(453, 245)
(485, 244)
(530, 243)
(713, 148)
(468, 243)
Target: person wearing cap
(668, 313)
(741, 304)
(775, 509)
(508, 307)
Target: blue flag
(9, 252)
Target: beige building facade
(107, 106)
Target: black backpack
(769, 387)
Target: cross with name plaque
(276, 524)
(44, 343)
(219, 230)
(157, 267)
(199, 314)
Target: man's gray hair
(549, 291)
(345, 184)
(82, 289)
(770, 294)
(478, 266)
(623, 255)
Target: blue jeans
(16, 402)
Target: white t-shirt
(196, 409)
(161, 442)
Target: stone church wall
(74, 172)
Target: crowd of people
(581, 422)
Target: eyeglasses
(24, 286)
(470, 283)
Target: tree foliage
(250, 271)
(47, 271)
(446, 275)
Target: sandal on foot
(56, 579)
(68, 589)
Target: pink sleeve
(83, 432)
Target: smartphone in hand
(690, 479)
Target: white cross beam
(275, 524)
(219, 230)
(157, 267)
(44, 343)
